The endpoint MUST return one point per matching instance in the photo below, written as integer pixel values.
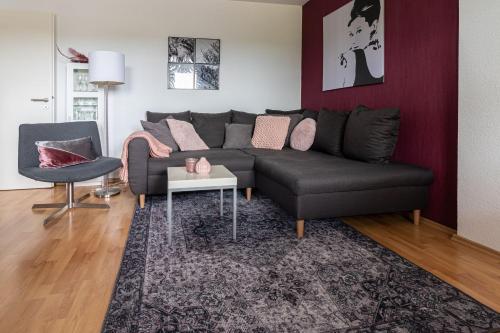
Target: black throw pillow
(306, 113)
(295, 119)
(240, 117)
(330, 128)
(310, 114)
(211, 127)
(284, 113)
(371, 135)
(156, 117)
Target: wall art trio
(193, 63)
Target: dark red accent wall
(421, 78)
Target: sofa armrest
(138, 156)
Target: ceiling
(285, 2)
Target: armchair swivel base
(70, 203)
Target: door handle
(45, 100)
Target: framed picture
(207, 51)
(180, 76)
(206, 76)
(193, 63)
(181, 50)
(353, 45)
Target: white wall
(479, 122)
(260, 53)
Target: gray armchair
(28, 163)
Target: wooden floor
(59, 278)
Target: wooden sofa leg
(249, 193)
(300, 229)
(142, 200)
(416, 217)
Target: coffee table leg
(221, 202)
(234, 212)
(169, 216)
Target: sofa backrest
(156, 117)
(211, 127)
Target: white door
(26, 85)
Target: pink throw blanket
(156, 149)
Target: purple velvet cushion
(58, 154)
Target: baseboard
(472, 244)
(436, 225)
(459, 239)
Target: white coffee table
(220, 178)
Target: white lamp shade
(106, 67)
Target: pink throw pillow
(303, 134)
(185, 136)
(270, 132)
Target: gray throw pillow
(371, 135)
(238, 136)
(161, 132)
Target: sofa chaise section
(313, 185)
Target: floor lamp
(106, 69)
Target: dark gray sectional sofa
(307, 185)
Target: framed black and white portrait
(193, 63)
(353, 45)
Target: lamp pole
(105, 191)
(106, 69)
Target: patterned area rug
(334, 280)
